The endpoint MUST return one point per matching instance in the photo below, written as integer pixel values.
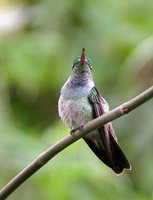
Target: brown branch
(43, 158)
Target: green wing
(104, 142)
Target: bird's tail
(109, 152)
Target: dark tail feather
(112, 157)
(120, 160)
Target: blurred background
(38, 42)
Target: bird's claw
(80, 128)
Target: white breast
(74, 107)
(74, 112)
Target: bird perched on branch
(79, 103)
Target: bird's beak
(83, 57)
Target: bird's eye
(90, 67)
(75, 64)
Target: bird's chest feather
(75, 112)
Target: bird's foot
(80, 128)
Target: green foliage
(36, 59)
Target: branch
(44, 157)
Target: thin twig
(43, 158)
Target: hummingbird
(81, 102)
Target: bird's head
(82, 64)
